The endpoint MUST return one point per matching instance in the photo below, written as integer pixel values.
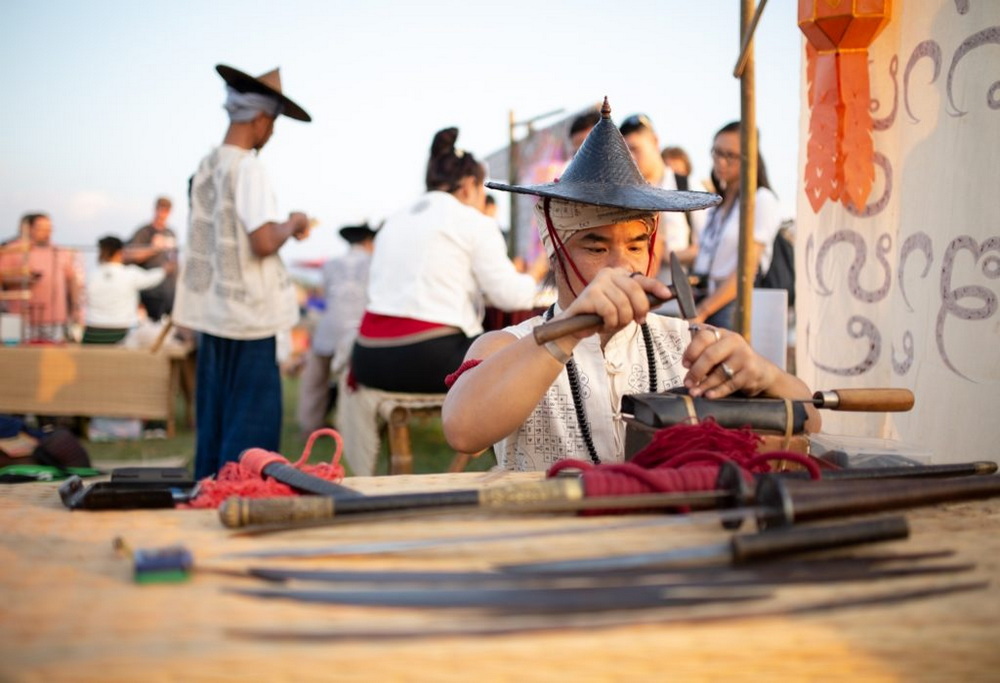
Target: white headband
(244, 106)
(570, 217)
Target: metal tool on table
(663, 409)
(645, 414)
(167, 564)
(680, 286)
(130, 493)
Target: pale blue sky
(109, 103)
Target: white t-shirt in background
(718, 253)
(113, 294)
(436, 261)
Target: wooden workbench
(95, 380)
(69, 610)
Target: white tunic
(224, 289)
(113, 294)
(435, 260)
(552, 432)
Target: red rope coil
(245, 477)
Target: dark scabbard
(670, 407)
(779, 503)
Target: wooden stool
(397, 410)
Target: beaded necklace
(573, 375)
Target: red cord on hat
(560, 248)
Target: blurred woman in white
(718, 249)
(435, 264)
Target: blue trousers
(238, 401)
(724, 316)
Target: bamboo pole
(746, 269)
(512, 179)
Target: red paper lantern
(839, 156)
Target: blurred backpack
(58, 448)
(781, 273)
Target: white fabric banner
(905, 293)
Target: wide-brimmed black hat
(604, 173)
(266, 84)
(357, 233)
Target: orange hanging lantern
(839, 156)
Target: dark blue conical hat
(604, 173)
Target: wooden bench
(88, 380)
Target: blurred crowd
(389, 315)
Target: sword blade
(399, 546)
(780, 574)
(520, 600)
(500, 624)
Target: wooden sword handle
(865, 400)
(557, 329)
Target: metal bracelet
(557, 352)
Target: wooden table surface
(69, 610)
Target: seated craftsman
(540, 404)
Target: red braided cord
(560, 248)
(675, 461)
(244, 478)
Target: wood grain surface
(69, 610)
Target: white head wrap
(569, 217)
(244, 106)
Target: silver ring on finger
(718, 336)
(727, 371)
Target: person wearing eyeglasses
(718, 252)
(678, 231)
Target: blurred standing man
(676, 234)
(154, 246)
(56, 282)
(233, 287)
(345, 283)
(580, 128)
